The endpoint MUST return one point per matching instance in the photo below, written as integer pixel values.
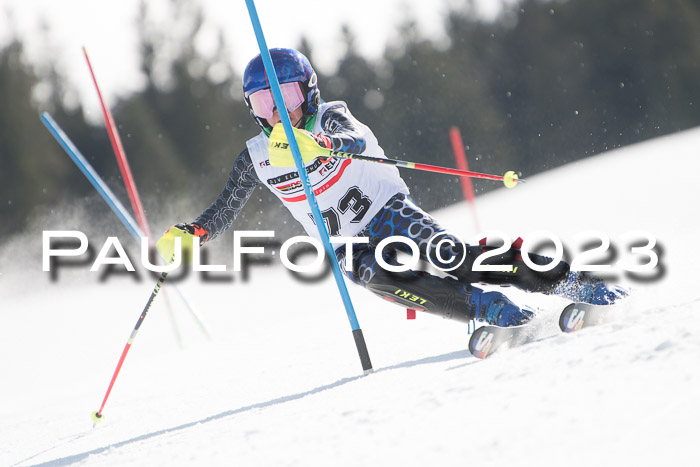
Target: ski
(486, 340)
(577, 316)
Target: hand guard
(310, 146)
(186, 232)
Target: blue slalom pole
(301, 169)
(92, 176)
(113, 202)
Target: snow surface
(279, 382)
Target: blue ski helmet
(290, 66)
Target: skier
(369, 200)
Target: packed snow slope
(279, 383)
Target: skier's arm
(342, 130)
(241, 182)
(220, 215)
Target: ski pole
(97, 416)
(123, 215)
(278, 140)
(509, 179)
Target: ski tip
(572, 318)
(481, 343)
(576, 316)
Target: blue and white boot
(581, 287)
(497, 309)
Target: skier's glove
(310, 146)
(186, 232)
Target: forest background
(543, 84)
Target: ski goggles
(263, 103)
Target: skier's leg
(402, 217)
(445, 297)
(520, 274)
(560, 280)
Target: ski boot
(497, 309)
(580, 287)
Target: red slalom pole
(121, 157)
(128, 178)
(461, 160)
(134, 197)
